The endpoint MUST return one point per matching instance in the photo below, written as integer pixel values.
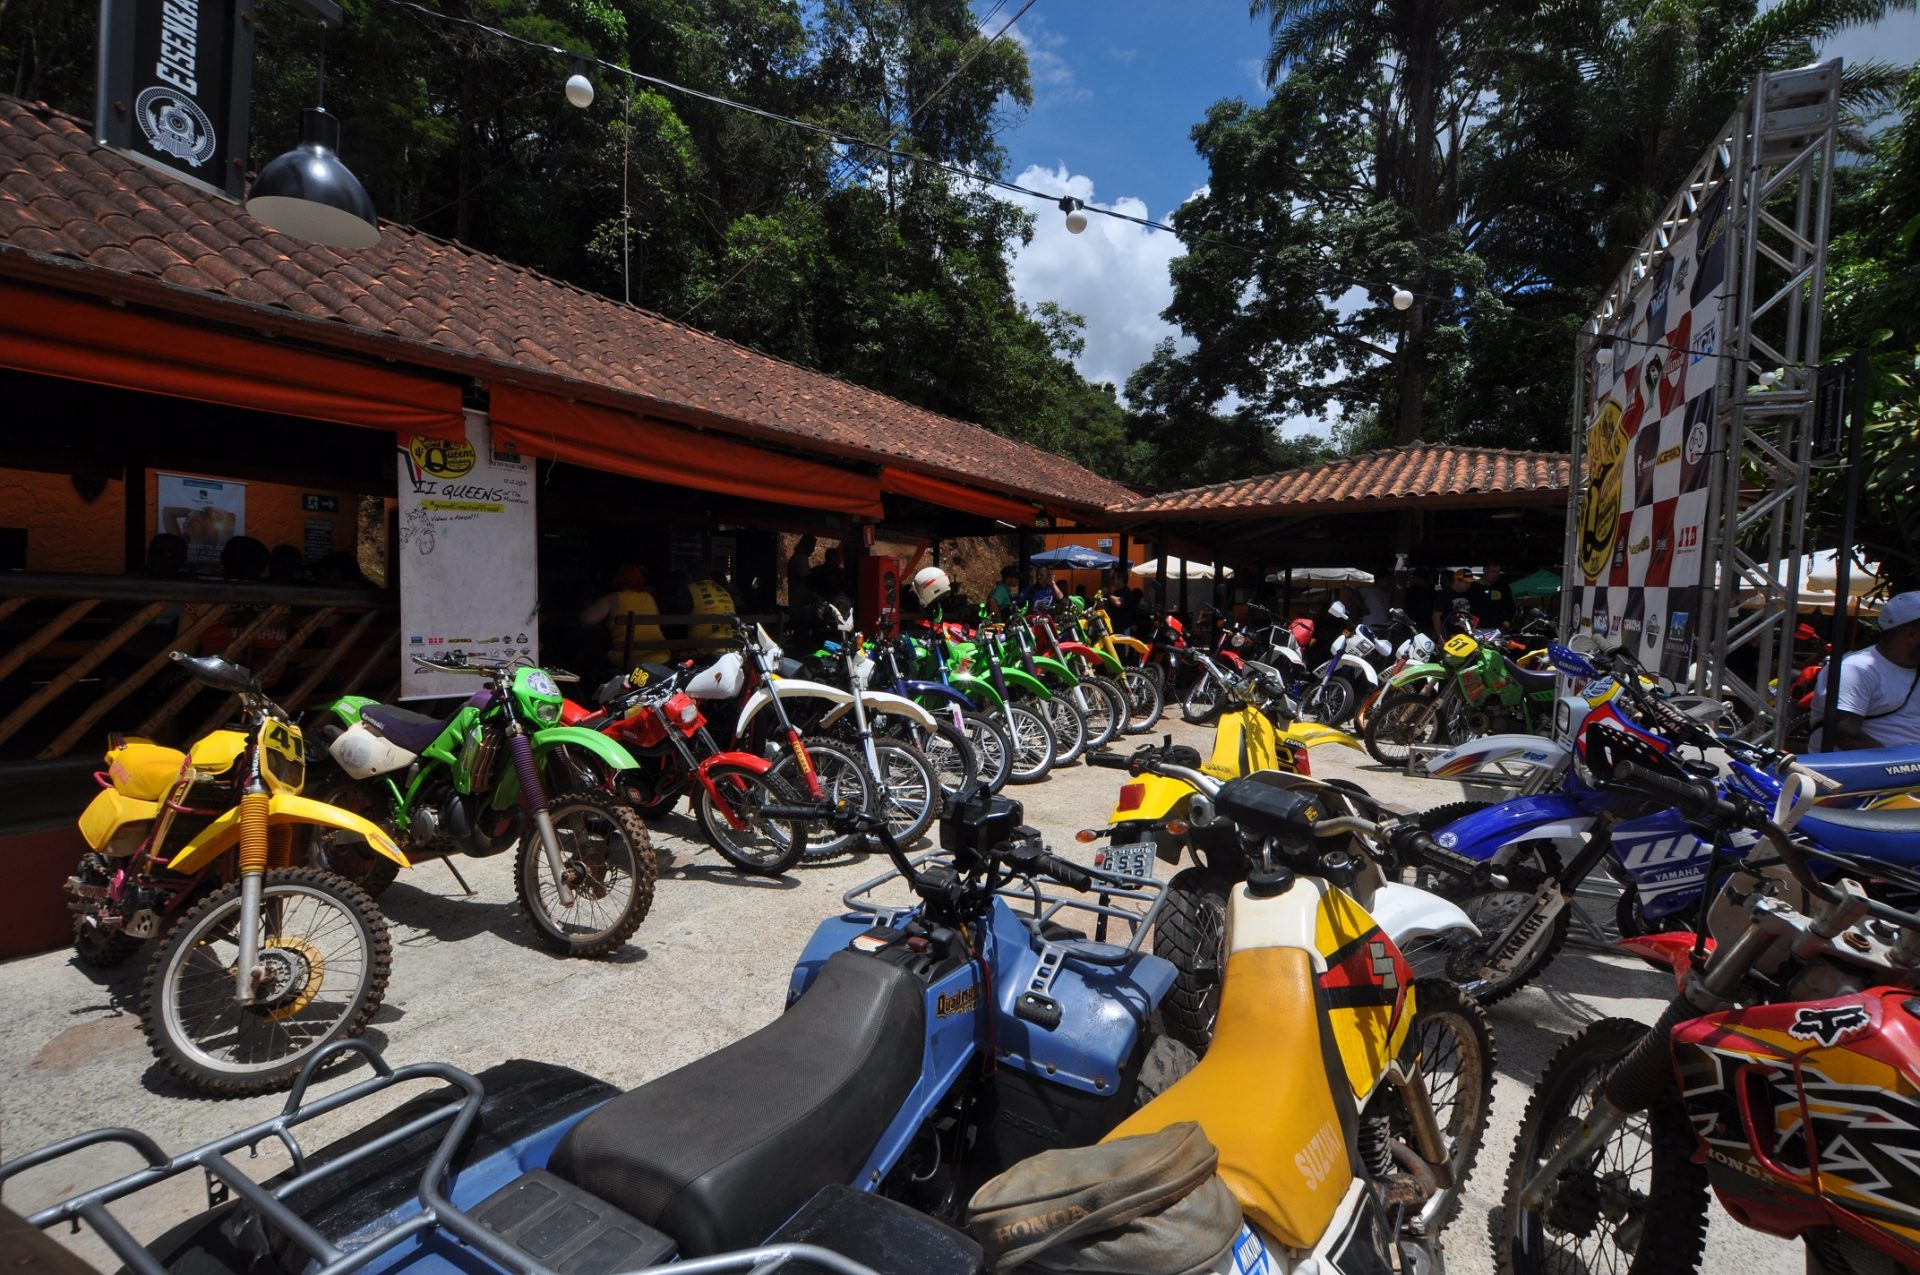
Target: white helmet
(930, 584)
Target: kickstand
(467, 889)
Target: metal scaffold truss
(1783, 180)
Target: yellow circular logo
(1600, 507)
(439, 458)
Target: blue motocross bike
(1518, 863)
(955, 1021)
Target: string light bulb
(1402, 299)
(579, 87)
(1076, 214)
(1769, 379)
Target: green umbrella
(1541, 584)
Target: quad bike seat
(404, 727)
(1531, 679)
(721, 1152)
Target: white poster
(468, 577)
(205, 512)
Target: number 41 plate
(1134, 859)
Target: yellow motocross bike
(262, 960)
(1155, 816)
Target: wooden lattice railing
(84, 655)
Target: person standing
(1005, 592)
(709, 595)
(1459, 588)
(633, 634)
(1493, 599)
(1045, 593)
(1879, 701)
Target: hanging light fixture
(1076, 214)
(307, 192)
(579, 87)
(1402, 299)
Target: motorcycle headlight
(1562, 719)
(548, 712)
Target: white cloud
(1123, 55)
(1053, 76)
(1115, 274)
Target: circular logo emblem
(174, 124)
(1696, 442)
(440, 459)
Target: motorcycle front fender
(787, 688)
(1486, 834)
(1408, 913)
(887, 704)
(1490, 750)
(1098, 657)
(938, 690)
(1046, 664)
(1133, 644)
(1020, 679)
(1314, 734)
(223, 834)
(1292, 657)
(506, 789)
(1419, 673)
(978, 691)
(1361, 669)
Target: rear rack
(225, 1179)
(1113, 891)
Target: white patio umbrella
(1324, 575)
(1177, 567)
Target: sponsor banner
(174, 81)
(1651, 436)
(468, 548)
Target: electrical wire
(1327, 273)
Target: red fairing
(1665, 952)
(572, 714)
(1808, 1115)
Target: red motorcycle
(664, 729)
(1786, 1075)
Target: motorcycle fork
(253, 868)
(534, 798)
(1428, 1139)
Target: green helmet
(1076, 604)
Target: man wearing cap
(1459, 586)
(1879, 704)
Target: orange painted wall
(67, 533)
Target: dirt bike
(501, 775)
(1099, 672)
(1475, 688)
(961, 730)
(262, 961)
(1783, 1074)
(1082, 716)
(663, 728)
(1016, 695)
(1145, 692)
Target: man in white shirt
(1879, 701)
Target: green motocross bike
(499, 775)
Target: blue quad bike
(930, 1042)
(1514, 866)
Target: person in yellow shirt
(710, 596)
(632, 636)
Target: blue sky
(1118, 86)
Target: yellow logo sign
(1600, 508)
(963, 1002)
(438, 458)
(1671, 454)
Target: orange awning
(604, 438)
(952, 495)
(56, 335)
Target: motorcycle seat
(1531, 680)
(1868, 769)
(721, 1152)
(1892, 836)
(403, 727)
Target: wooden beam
(31, 706)
(180, 698)
(11, 662)
(334, 653)
(139, 678)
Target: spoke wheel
(1494, 910)
(907, 789)
(346, 853)
(760, 846)
(1034, 747)
(1203, 701)
(1450, 1042)
(321, 974)
(1069, 729)
(609, 865)
(844, 785)
(1146, 700)
(992, 749)
(1637, 1206)
(951, 754)
(1398, 722)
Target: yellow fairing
(144, 770)
(1149, 798)
(1314, 734)
(1368, 987)
(1261, 1095)
(1243, 742)
(283, 808)
(218, 751)
(1132, 642)
(1460, 646)
(111, 810)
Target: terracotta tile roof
(1429, 472)
(424, 300)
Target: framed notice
(205, 512)
(468, 557)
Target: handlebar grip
(1696, 799)
(1066, 872)
(1108, 761)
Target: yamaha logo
(174, 124)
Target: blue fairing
(939, 690)
(1667, 861)
(1482, 834)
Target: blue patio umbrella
(1079, 557)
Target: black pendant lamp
(307, 192)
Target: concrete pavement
(709, 964)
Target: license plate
(1132, 860)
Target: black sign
(1831, 391)
(174, 80)
(316, 504)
